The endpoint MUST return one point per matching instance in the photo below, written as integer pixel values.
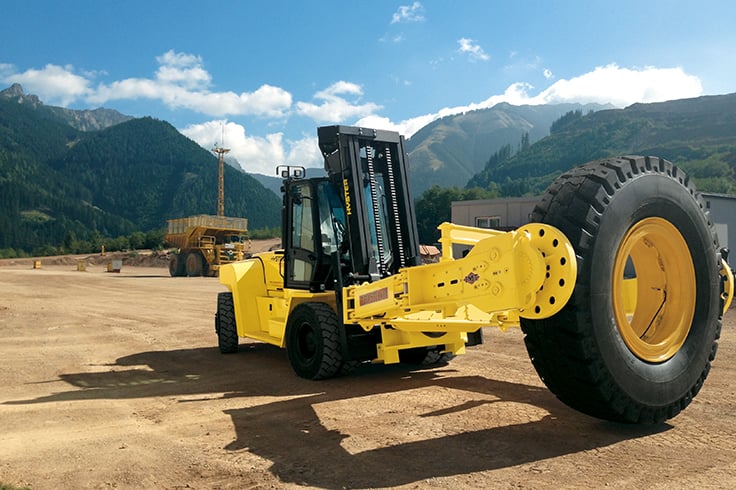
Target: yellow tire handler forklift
(618, 284)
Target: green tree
(137, 240)
(69, 244)
(434, 207)
(524, 145)
(155, 239)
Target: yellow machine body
(529, 272)
(634, 344)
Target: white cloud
(180, 82)
(54, 84)
(182, 60)
(623, 86)
(389, 38)
(608, 84)
(256, 154)
(182, 69)
(304, 152)
(409, 13)
(334, 107)
(406, 127)
(267, 101)
(474, 51)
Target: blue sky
(266, 74)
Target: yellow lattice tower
(220, 179)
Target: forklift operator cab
(317, 221)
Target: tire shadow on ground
(302, 450)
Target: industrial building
(512, 212)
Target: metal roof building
(512, 212)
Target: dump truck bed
(181, 225)
(181, 230)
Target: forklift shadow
(175, 373)
(290, 434)
(303, 451)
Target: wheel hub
(306, 341)
(653, 290)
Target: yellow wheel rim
(654, 295)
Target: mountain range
(57, 180)
(83, 120)
(451, 150)
(83, 174)
(699, 134)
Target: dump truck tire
(194, 267)
(313, 341)
(637, 225)
(225, 326)
(176, 265)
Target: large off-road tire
(636, 340)
(225, 326)
(176, 265)
(313, 341)
(194, 264)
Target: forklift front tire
(313, 341)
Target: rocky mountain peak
(83, 120)
(15, 92)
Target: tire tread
(562, 348)
(225, 326)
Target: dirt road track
(114, 381)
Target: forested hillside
(450, 151)
(146, 171)
(61, 185)
(698, 134)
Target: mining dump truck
(618, 284)
(205, 243)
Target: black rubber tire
(225, 326)
(579, 353)
(176, 265)
(348, 367)
(313, 341)
(194, 264)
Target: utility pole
(221, 175)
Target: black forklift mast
(358, 223)
(370, 169)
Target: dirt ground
(114, 380)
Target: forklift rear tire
(225, 326)
(425, 356)
(194, 266)
(635, 342)
(313, 341)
